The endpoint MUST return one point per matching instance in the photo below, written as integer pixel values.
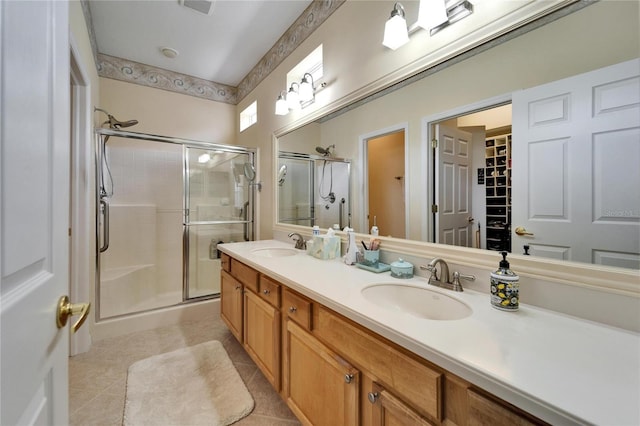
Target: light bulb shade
(395, 32)
(432, 13)
(293, 99)
(281, 106)
(306, 90)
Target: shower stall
(163, 206)
(314, 190)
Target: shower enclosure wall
(313, 190)
(164, 204)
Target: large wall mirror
(494, 180)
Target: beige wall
(561, 49)
(166, 113)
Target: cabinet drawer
(245, 274)
(297, 309)
(225, 262)
(412, 381)
(270, 290)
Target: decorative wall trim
(313, 16)
(158, 78)
(146, 75)
(88, 19)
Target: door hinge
(434, 143)
(434, 208)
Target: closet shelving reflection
(498, 192)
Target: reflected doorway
(386, 183)
(478, 193)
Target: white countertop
(561, 369)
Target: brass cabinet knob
(67, 309)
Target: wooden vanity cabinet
(321, 388)
(231, 303)
(332, 371)
(410, 378)
(262, 328)
(388, 410)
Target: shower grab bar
(246, 218)
(104, 206)
(295, 219)
(341, 212)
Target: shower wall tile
(132, 236)
(169, 250)
(146, 172)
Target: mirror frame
(613, 280)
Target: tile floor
(97, 379)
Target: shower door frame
(102, 132)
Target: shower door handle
(104, 206)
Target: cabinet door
(231, 303)
(320, 388)
(262, 336)
(387, 410)
(483, 410)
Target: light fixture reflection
(396, 33)
(204, 158)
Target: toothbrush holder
(371, 258)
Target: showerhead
(117, 124)
(325, 151)
(114, 123)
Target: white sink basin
(275, 252)
(417, 301)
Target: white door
(576, 167)
(453, 197)
(34, 195)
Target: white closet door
(34, 197)
(576, 167)
(454, 187)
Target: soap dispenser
(352, 249)
(505, 287)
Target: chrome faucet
(443, 279)
(301, 244)
(444, 272)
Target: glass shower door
(141, 268)
(218, 209)
(295, 191)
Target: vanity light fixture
(298, 96)
(433, 15)
(293, 97)
(307, 89)
(456, 11)
(281, 105)
(204, 158)
(396, 33)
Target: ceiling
(222, 47)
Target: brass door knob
(67, 309)
(521, 231)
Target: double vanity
(346, 346)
